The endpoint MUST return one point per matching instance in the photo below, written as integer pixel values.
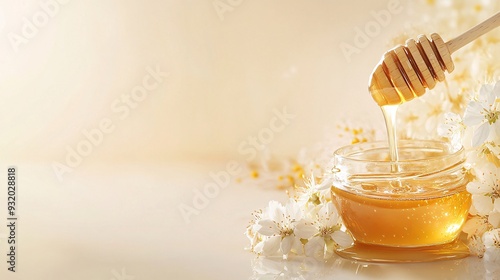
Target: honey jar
(415, 214)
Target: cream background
(226, 76)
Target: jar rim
(439, 162)
(351, 152)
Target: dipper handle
(474, 33)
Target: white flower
(452, 129)
(252, 230)
(313, 192)
(486, 191)
(476, 246)
(484, 114)
(491, 240)
(283, 228)
(476, 226)
(329, 235)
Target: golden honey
(404, 221)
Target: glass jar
(413, 214)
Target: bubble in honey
(368, 186)
(399, 188)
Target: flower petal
(496, 89)
(267, 228)
(286, 244)
(476, 246)
(326, 183)
(297, 246)
(293, 210)
(496, 205)
(494, 219)
(305, 229)
(490, 237)
(472, 114)
(452, 118)
(481, 134)
(497, 128)
(474, 226)
(343, 239)
(445, 130)
(328, 216)
(271, 245)
(276, 211)
(485, 93)
(324, 212)
(481, 188)
(315, 247)
(483, 204)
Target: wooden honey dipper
(405, 71)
